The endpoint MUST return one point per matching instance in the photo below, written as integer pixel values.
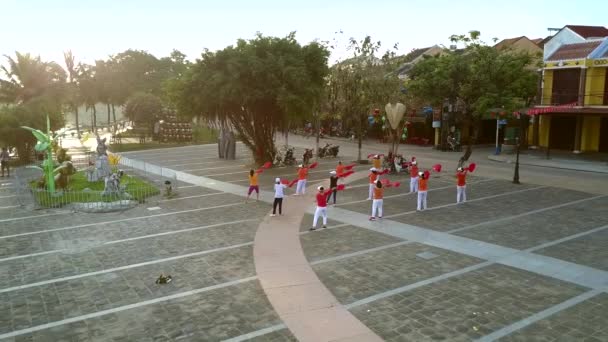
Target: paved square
(91, 277)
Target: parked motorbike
(322, 151)
(285, 157)
(333, 151)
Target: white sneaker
(273, 215)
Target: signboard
(437, 115)
(436, 124)
(600, 62)
(502, 122)
(565, 64)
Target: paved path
(516, 262)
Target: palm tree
(89, 90)
(68, 58)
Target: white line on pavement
(496, 335)
(126, 267)
(194, 196)
(123, 308)
(219, 167)
(34, 217)
(9, 196)
(120, 220)
(10, 207)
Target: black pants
(279, 202)
(334, 194)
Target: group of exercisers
(418, 184)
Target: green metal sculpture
(45, 142)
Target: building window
(565, 86)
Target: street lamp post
(516, 174)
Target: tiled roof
(589, 31)
(574, 51)
(537, 40)
(507, 42)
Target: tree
(144, 108)
(474, 80)
(255, 86)
(89, 90)
(32, 89)
(358, 85)
(73, 97)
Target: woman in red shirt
(321, 210)
(422, 191)
(373, 178)
(461, 185)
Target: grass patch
(137, 188)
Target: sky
(96, 29)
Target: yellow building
(573, 110)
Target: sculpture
(44, 144)
(102, 165)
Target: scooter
(322, 151)
(333, 150)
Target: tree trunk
(471, 139)
(114, 116)
(359, 139)
(94, 120)
(108, 109)
(77, 121)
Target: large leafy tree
(72, 95)
(144, 108)
(255, 86)
(361, 83)
(475, 80)
(31, 89)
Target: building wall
(565, 36)
(547, 87)
(590, 137)
(594, 86)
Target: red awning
(551, 109)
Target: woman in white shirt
(278, 197)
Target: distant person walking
(253, 185)
(278, 197)
(422, 191)
(340, 169)
(377, 201)
(4, 160)
(302, 174)
(461, 185)
(321, 210)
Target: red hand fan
(267, 165)
(427, 174)
(385, 181)
(341, 187)
(259, 170)
(472, 167)
(346, 174)
(370, 155)
(437, 167)
(313, 165)
(397, 184)
(285, 181)
(349, 167)
(293, 182)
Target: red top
(340, 169)
(302, 173)
(462, 176)
(423, 184)
(414, 171)
(378, 193)
(322, 198)
(373, 177)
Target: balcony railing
(561, 98)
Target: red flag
(397, 184)
(267, 165)
(427, 174)
(346, 174)
(370, 155)
(313, 165)
(341, 187)
(293, 182)
(385, 181)
(385, 171)
(349, 167)
(285, 181)
(437, 167)
(472, 167)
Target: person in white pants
(461, 185)
(321, 207)
(422, 191)
(373, 178)
(414, 177)
(302, 174)
(378, 201)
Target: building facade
(572, 113)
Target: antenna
(552, 30)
